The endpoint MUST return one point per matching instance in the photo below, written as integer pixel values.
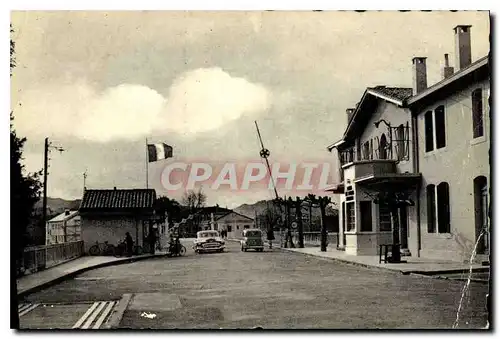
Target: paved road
(270, 289)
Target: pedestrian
(130, 243)
(270, 237)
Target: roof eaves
(385, 97)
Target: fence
(314, 239)
(37, 258)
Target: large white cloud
(205, 99)
(199, 100)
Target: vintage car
(208, 241)
(252, 239)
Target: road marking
(101, 309)
(94, 315)
(106, 312)
(84, 317)
(26, 309)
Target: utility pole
(47, 148)
(44, 204)
(298, 213)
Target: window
(229, 228)
(384, 216)
(366, 150)
(365, 212)
(237, 227)
(382, 147)
(443, 207)
(440, 127)
(371, 149)
(431, 208)
(400, 142)
(429, 131)
(351, 220)
(246, 227)
(477, 113)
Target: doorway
(403, 223)
(481, 214)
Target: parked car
(208, 241)
(252, 239)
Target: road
(247, 289)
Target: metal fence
(314, 239)
(37, 258)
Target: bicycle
(176, 250)
(102, 249)
(121, 250)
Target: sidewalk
(39, 280)
(413, 265)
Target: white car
(208, 241)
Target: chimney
(66, 211)
(462, 46)
(447, 70)
(349, 112)
(114, 188)
(419, 75)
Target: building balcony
(364, 169)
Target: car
(252, 240)
(208, 241)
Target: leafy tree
(24, 187)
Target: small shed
(107, 214)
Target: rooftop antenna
(84, 180)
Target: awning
(335, 189)
(391, 181)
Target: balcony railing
(374, 168)
(37, 258)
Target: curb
(70, 275)
(429, 274)
(346, 261)
(117, 315)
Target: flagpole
(147, 181)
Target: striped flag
(159, 151)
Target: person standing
(270, 237)
(130, 243)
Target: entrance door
(403, 222)
(344, 219)
(481, 212)
(484, 219)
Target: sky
(99, 84)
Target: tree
(24, 193)
(194, 200)
(322, 202)
(169, 206)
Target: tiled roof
(398, 93)
(118, 199)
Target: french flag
(159, 151)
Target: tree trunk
(323, 227)
(288, 226)
(298, 213)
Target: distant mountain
(57, 205)
(260, 206)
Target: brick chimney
(349, 112)
(462, 46)
(419, 75)
(66, 211)
(447, 70)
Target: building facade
(63, 228)
(429, 145)
(106, 215)
(234, 223)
